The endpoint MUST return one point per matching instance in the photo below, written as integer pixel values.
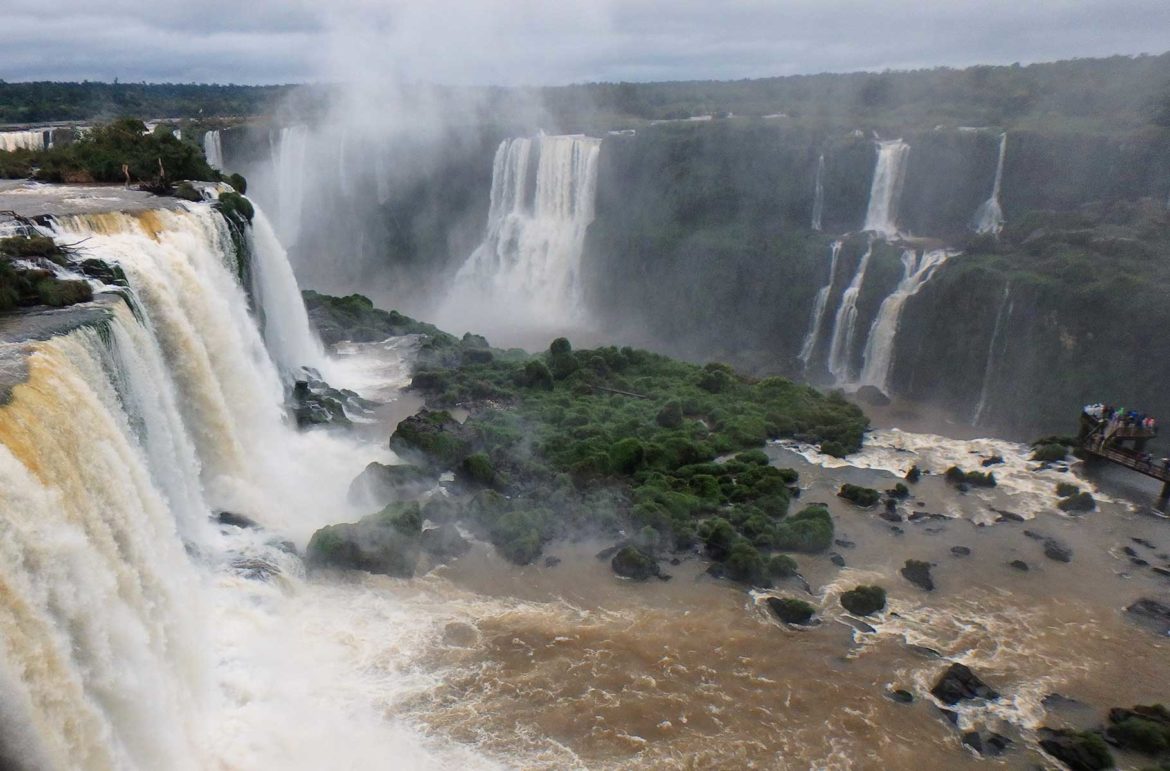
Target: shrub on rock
(1079, 750)
(859, 496)
(864, 600)
(1078, 502)
(1049, 453)
(633, 563)
(782, 566)
(810, 531)
(791, 611)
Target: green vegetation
(1082, 750)
(612, 439)
(791, 611)
(957, 476)
(121, 151)
(1077, 502)
(25, 285)
(859, 496)
(1144, 729)
(864, 600)
(1049, 453)
(355, 318)
(1066, 489)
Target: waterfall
(213, 149)
(127, 638)
(881, 215)
(1001, 317)
(989, 217)
(879, 348)
(817, 321)
(528, 265)
(845, 324)
(819, 194)
(285, 324)
(38, 139)
(289, 152)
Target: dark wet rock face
(382, 484)
(917, 572)
(961, 551)
(901, 696)
(1079, 750)
(1057, 551)
(1019, 565)
(1150, 612)
(958, 683)
(864, 600)
(231, 519)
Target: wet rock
(963, 487)
(918, 516)
(1139, 562)
(1161, 571)
(552, 562)
(994, 460)
(1033, 535)
(899, 491)
(1019, 565)
(917, 572)
(385, 543)
(837, 559)
(380, 484)
(631, 562)
(924, 651)
(609, 551)
(791, 611)
(1143, 542)
(235, 520)
(961, 551)
(1057, 551)
(958, 683)
(1007, 516)
(436, 435)
(973, 740)
(445, 542)
(1151, 612)
(864, 600)
(844, 544)
(901, 696)
(1129, 551)
(951, 716)
(913, 475)
(996, 745)
(255, 568)
(897, 530)
(890, 515)
(314, 403)
(675, 561)
(1077, 503)
(1079, 750)
(716, 570)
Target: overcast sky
(551, 41)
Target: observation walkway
(1125, 446)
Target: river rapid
(569, 666)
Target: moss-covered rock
(634, 563)
(1079, 750)
(958, 476)
(782, 566)
(1082, 501)
(386, 542)
(1049, 453)
(791, 610)
(917, 572)
(434, 434)
(864, 600)
(383, 484)
(859, 496)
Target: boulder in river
(387, 542)
(864, 600)
(232, 519)
(1079, 750)
(631, 562)
(791, 611)
(444, 542)
(1151, 612)
(959, 683)
(381, 484)
(917, 572)
(961, 551)
(1055, 550)
(1019, 565)
(436, 435)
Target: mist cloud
(511, 42)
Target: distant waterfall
(1001, 317)
(285, 323)
(845, 324)
(817, 321)
(819, 194)
(289, 151)
(879, 348)
(38, 139)
(881, 216)
(527, 270)
(213, 149)
(989, 217)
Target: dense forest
(1080, 94)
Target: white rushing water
(819, 194)
(820, 306)
(36, 139)
(213, 149)
(285, 324)
(1001, 317)
(989, 217)
(289, 150)
(881, 216)
(527, 270)
(879, 347)
(845, 323)
(128, 638)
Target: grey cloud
(541, 42)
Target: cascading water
(213, 149)
(289, 151)
(881, 215)
(817, 321)
(845, 324)
(127, 640)
(819, 194)
(989, 217)
(1001, 317)
(879, 348)
(39, 139)
(528, 266)
(285, 324)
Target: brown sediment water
(570, 666)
